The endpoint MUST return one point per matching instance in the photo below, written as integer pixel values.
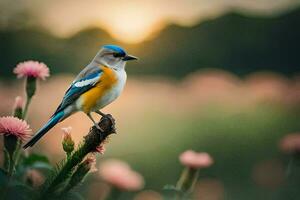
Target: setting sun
(132, 24)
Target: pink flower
(120, 175)
(100, 149)
(19, 103)
(67, 130)
(14, 126)
(68, 143)
(290, 143)
(90, 163)
(32, 69)
(67, 133)
(195, 160)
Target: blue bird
(96, 86)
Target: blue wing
(84, 81)
(79, 87)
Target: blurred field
(237, 110)
(238, 121)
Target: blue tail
(50, 124)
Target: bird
(96, 86)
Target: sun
(129, 22)
(132, 24)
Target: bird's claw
(99, 128)
(112, 120)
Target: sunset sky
(135, 20)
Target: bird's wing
(80, 86)
(90, 69)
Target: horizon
(145, 22)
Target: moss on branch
(91, 141)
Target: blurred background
(220, 76)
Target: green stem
(17, 153)
(14, 159)
(11, 166)
(114, 194)
(289, 167)
(6, 160)
(18, 112)
(11, 143)
(187, 181)
(68, 155)
(30, 88)
(26, 107)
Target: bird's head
(113, 56)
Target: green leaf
(40, 165)
(34, 161)
(33, 158)
(37, 161)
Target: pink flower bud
(120, 175)
(90, 163)
(290, 143)
(100, 149)
(67, 133)
(19, 103)
(68, 143)
(195, 160)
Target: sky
(130, 21)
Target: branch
(92, 140)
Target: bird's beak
(129, 57)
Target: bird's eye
(116, 55)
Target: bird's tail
(50, 124)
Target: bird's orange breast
(107, 80)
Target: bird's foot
(112, 120)
(106, 116)
(99, 128)
(100, 113)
